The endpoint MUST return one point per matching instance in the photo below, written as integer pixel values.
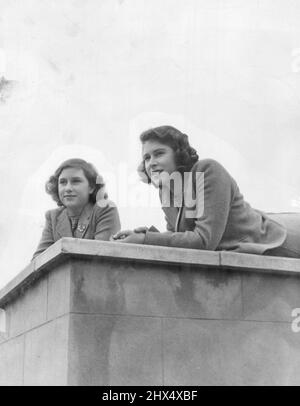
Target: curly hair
(185, 155)
(95, 180)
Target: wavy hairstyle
(95, 180)
(185, 155)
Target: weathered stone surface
(3, 326)
(49, 258)
(94, 313)
(8, 291)
(11, 362)
(108, 287)
(3, 337)
(211, 352)
(2, 321)
(46, 353)
(270, 297)
(58, 301)
(135, 253)
(29, 309)
(106, 350)
(140, 252)
(262, 263)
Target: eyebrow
(72, 178)
(155, 150)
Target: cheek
(174, 162)
(86, 190)
(171, 163)
(60, 190)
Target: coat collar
(175, 214)
(63, 226)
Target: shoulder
(208, 164)
(212, 168)
(54, 213)
(214, 172)
(104, 207)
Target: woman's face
(158, 158)
(73, 188)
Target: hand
(142, 229)
(120, 235)
(130, 237)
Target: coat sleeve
(107, 222)
(209, 227)
(47, 238)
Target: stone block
(110, 287)
(46, 354)
(3, 328)
(270, 297)
(29, 309)
(263, 263)
(2, 321)
(139, 252)
(12, 359)
(212, 352)
(58, 302)
(114, 350)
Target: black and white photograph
(150, 195)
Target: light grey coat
(95, 223)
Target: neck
(169, 198)
(75, 211)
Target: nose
(152, 163)
(68, 187)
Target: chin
(71, 205)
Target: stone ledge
(51, 256)
(260, 263)
(67, 248)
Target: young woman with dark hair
(208, 211)
(84, 210)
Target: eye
(62, 181)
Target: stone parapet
(100, 313)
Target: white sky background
(93, 74)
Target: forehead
(72, 173)
(151, 145)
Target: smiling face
(74, 189)
(158, 158)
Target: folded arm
(210, 225)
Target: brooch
(81, 228)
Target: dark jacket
(225, 220)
